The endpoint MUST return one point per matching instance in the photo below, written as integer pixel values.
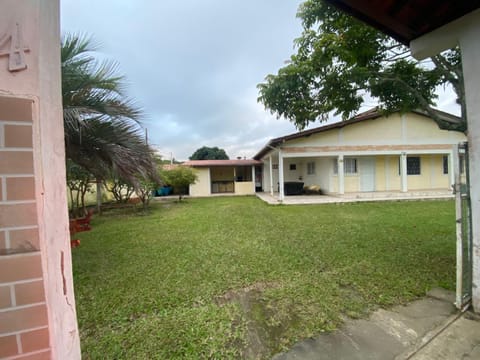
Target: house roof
(367, 115)
(213, 163)
(406, 20)
(169, 166)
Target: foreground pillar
(465, 32)
(37, 303)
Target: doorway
(367, 174)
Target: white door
(367, 174)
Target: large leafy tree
(340, 61)
(209, 153)
(102, 130)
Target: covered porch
(349, 174)
(274, 199)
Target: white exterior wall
(202, 185)
(244, 188)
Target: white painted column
(209, 181)
(341, 175)
(403, 171)
(471, 68)
(271, 174)
(280, 175)
(451, 172)
(253, 179)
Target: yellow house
(225, 177)
(368, 153)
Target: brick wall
(24, 332)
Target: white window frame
(350, 166)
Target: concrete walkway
(355, 197)
(426, 329)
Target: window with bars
(446, 165)
(293, 166)
(413, 165)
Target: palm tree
(102, 129)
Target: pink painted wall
(37, 303)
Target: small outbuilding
(229, 177)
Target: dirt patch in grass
(264, 331)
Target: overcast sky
(193, 66)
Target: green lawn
(233, 277)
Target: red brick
(27, 240)
(35, 340)
(20, 267)
(15, 109)
(8, 346)
(16, 162)
(20, 188)
(18, 136)
(29, 293)
(3, 245)
(12, 215)
(23, 319)
(5, 298)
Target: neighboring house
(233, 177)
(368, 153)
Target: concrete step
(396, 333)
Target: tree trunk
(99, 196)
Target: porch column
(254, 180)
(280, 175)
(451, 165)
(403, 171)
(341, 175)
(209, 181)
(271, 174)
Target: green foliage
(179, 178)
(79, 183)
(209, 153)
(102, 131)
(157, 286)
(145, 190)
(121, 189)
(340, 60)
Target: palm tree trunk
(99, 196)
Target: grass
(197, 279)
